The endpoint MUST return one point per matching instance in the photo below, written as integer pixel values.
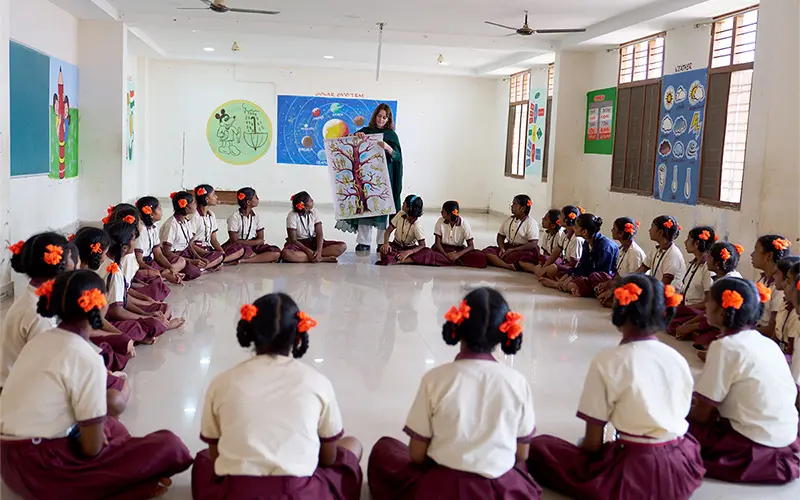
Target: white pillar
(5, 167)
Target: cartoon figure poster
(683, 101)
(359, 177)
(537, 116)
(306, 122)
(64, 118)
(239, 132)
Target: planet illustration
(358, 121)
(321, 156)
(307, 141)
(336, 108)
(316, 112)
(335, 128)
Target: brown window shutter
(546, 152)
(635, 133)
(652, 110)
(716, 118)
(620, 138)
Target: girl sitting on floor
(454, 244)
(570, 247)
(552, 233)
(697, 280)
(597, 264)
(787, 325)
(644, 389)
(769, 249)
(305, 242)
(245, 229)
(665, 263)
(206, 228)
(297, 452)
(793, 293)
(460, 443)
(57, 438)
(148, 252)
(409, 237)
(744, 413)
(629, 259)
(517, 239)
(178, 235)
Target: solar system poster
(680, 135)
(305, 122)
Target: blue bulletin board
(29, 87)
(683, 101)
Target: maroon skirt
(392, 475)
(127, 468)
(514, 257)
(586, 284)
(431, 257)
(730, 456)
(683, 314)
(341, 481)
(114, 350)
(310, 243)
(190, 271)
(543, 260)
(392, 257)
(152, 286)
(150, 261)
(620, 470)
(210, 254)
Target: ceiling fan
(220, 7)
(526, 30)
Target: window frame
(633, 43)
(523, 136)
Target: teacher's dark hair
(382, 107)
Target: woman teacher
(381, 122)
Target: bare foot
(131, 350)
(330, 259)
(573, 289)
(175, 323)
(148, 341)
(549, 283)
(159, 491)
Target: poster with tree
(359, 177)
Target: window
(516, 142)
(733, 45)
(551, 83)
(641, 60)
(638, 107)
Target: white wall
(448, 128)
(5, 194)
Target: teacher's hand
(385, 146)
(361, 135)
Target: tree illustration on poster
(601, 114)
(239, 132)
(680, 135)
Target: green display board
(239, 132)
(29, 71)
(601, 115)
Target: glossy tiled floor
(379, 331)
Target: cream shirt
(246, 228)
(695, 284)
(268, 415)
(747, 378)
(304, 224)
(456, 236)
(179, 234)
(58, 381)
(204, 227)
(130, 266)
(549, 242)
(787, 326)
(775, 303)
(795, 369)
(643, 387)
(147, 241)
(406, 233)
(116, 284)
(669, 261)
(20, 324)
(572, 246)
(519, 232)
(630, 260)
(473, 412)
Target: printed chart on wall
(683, 100)
(239, 132)
(534, 153)
(306, 122)
(600, 116)
(130, 104)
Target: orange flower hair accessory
(16, 248)
(739, 248)
(201, 192)
(110, 209)
(241, 196)
(558, 222)
(572, 215)
(781, 244)
(46, 290)
(512, 326)
(705, 235)
(92, 299)
(53, 254)
(629, 228)
(71, 237)
(764, 293)
(638, 224)
(455, 212)
(725, 255)
(147, 210)
(130, 219)
(172, 195)
(668, 223)
(458, 315)
(716, 237)
(680, 228)
(300, 206)
(306, 322)
(248, 312)
(182, 203)
(627, 294)
(96, 247)
(113, 268)
(581, 210)
(530, 203)
(732, 299)
(671, 297)
(106, 219)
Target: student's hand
(131, 350)
(403, 255)
(318, 256)
(502, 252)
(452, 256)
(202, 263)
(386, 248)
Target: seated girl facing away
(644, 389)
(57, 439)
(462, 446)
(787, 324)
(629, 258)
(454, 244)
(793, 294)
(517, 239)
(409, 237)
(245, 229)
(272, 423)
(304, 240)
(744, 413)
(665, 263)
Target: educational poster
(534, 153)
(683, 100)
(130, 106)
(63, 119)
(239, 132)
(600, 118)
(306, 122)
(359, 177)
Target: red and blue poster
(683, 102)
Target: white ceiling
(416, 31)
